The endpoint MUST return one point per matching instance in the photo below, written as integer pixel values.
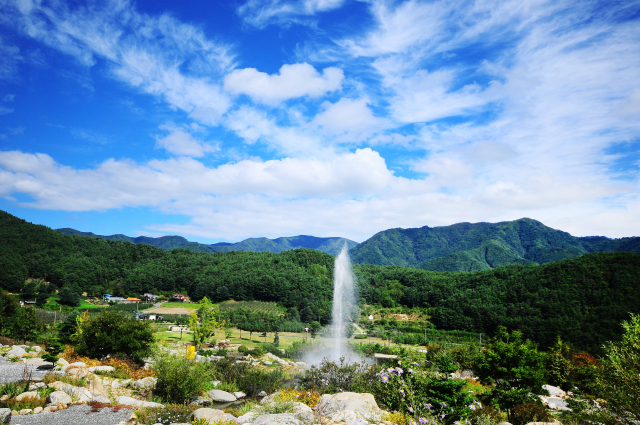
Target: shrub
(172, 413)
(487, 416)
(249, 379)
(310, 398)
(179, 379)
(50, 378)
(112, 333)
(396, 418)
(27, 403)
(69, 297)
(360, 336)
(331, 376)
(529, 412)
(68, 327)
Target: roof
(133, 299)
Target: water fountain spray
(343, 302)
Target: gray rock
(201, 401)
(247, 418)
(239, 394)
(267, 363)
(129, 401)
(231, 417)
(149, 382)
(59, 397)
(30, 394)
(62, 362)
(101, 369)
(339, 406)
(215, 383)
(5, 416)
(277, 419)
(37, 385)
(554, 391)
(557, 403)
(220, 396)
(16, 352)
(261, 394)
(73, 365)
(36, 361)
(505, 423)
(101, 399)
(211, 415)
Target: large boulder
(129, 401)
(210, 415)
(60, 385)
(349, 407)
(29, 394)
(101, 369)
(16, 352)
(220, 396)
(247, 418)
(201, 401)
(149, 382)
(62, 363)
(277, 419)
(74, 365)
(5, 416)
(554, 391)
(59, 397)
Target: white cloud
(180, 142)
(346, 116)
(261, 13)
(159, 55)
(10, 59)
(296, 80)
(4, 110)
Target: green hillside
(582, 299)
(481, 246)
(331, 246)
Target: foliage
(50, 378)
(486, 416)
(68, 327)
(310, 398)
(620, 379)
(172, 413)
(558, 367)
(126, 369)
(203, 322)
(69, 297)
(53, 349)
(276, 407)
(250, 380)
(112, 333)
(529, 412)
(27, 403)
(179, 379)
(514, 367)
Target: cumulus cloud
(296, 80)
(181, 142)
(347, 115)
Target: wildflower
(385, 379)
(443, 404)
(414, 364)
(428, 406)
(409, 370)
(422, 420)
(472, 407)
(443, 415)
(399, 362)
(471, 391)
(401, 391)
(411, 409)
(412, 422)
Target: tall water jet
(343, 302)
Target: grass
(180, 305)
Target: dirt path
(169, 310)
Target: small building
(150, 297)
(133, 300)
(114, 299)
(180, 297)
(381, 358)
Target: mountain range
(481, 246)
(331, 246)
(459, 247)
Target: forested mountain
(329, 245)
(583, 299)
(481, 246)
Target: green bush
(360, 336)
(68, 327)
(69, 297)
(179, 379)
(112, 333)
(249, 379)
(172, 413)
(529, 412)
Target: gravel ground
(13, 372)
(74, 415)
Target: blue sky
(220, 121)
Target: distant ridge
(329, 245)
(481, 246)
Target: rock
(303, 412)
(334, 406)
(37, 385)
(62, 362)
(101, 399)
(36, 348)
(16, 352)
(273, 357)
(201, 401)
(126, 382)
(277, 419)
(60, 385)
(557, 403)
(247, 418)
(59, 397)
(115, 385)
(129, 401)
(78, 372)
(96, 388)
(5, 416)
(210, 415)
(215, 383)
(49, 409)
(37, 410)
(261, 394)
(149, 382)
(25, 412)
(70, 366)
(554, 391)
(220, 396)
(239, 394)
(101, 369)
(14, 413)
(36, 361)
(30, 394)
(505, 423)
(267, 363)
(4, 398)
